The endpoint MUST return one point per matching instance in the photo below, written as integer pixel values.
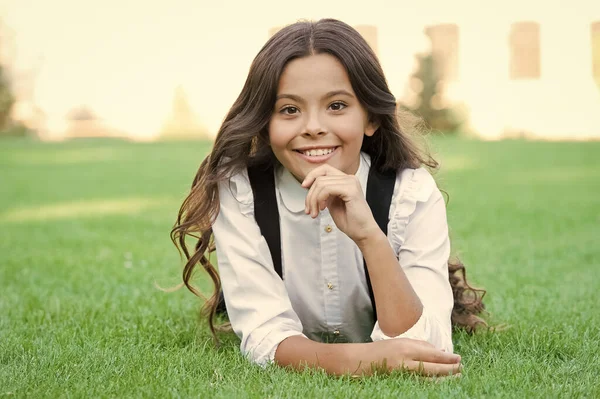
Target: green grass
(84, 237)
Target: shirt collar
(293, 195)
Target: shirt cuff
(264, 354)
(425, 329)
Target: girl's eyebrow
(328, 95)
(341, 92)
(290, 96)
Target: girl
(317, 118)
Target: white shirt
(324, 294)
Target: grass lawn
(84, 237)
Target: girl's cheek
(280, 134)
(350, 126)
(285, 127)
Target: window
(596, 51)
(525, 50)
(444, 48)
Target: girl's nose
(314, 127)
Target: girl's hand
(343, 196)
(413, 355)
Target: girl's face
(317, 117)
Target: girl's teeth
(314, 153)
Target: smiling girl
(320, 282)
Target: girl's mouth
(317, 155)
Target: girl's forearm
(337, 359)
(398, 306)
(365, 358)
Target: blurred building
(150, 69)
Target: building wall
(557, 99)
(149, 68)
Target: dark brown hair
(243, 140)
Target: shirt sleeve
(419, 229)
(257, 302)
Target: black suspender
(266, 213)
(380, 188)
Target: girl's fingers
(320, 192)
(430, 354)
(433, 369)
(323, 204)
(321, 195)
(442, 357)
(323, 170)
(317, 199)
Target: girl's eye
(337, 106)
(289, 110)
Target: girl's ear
(371, 128)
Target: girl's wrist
(362, 358)
(372, 236)
(354, 357)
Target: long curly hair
(242, 140)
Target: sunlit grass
(67, 156)
(84, 242)
(81, 209)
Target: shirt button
(330, 286)
(328, 228)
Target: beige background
(129, 61)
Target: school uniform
(324, 294)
